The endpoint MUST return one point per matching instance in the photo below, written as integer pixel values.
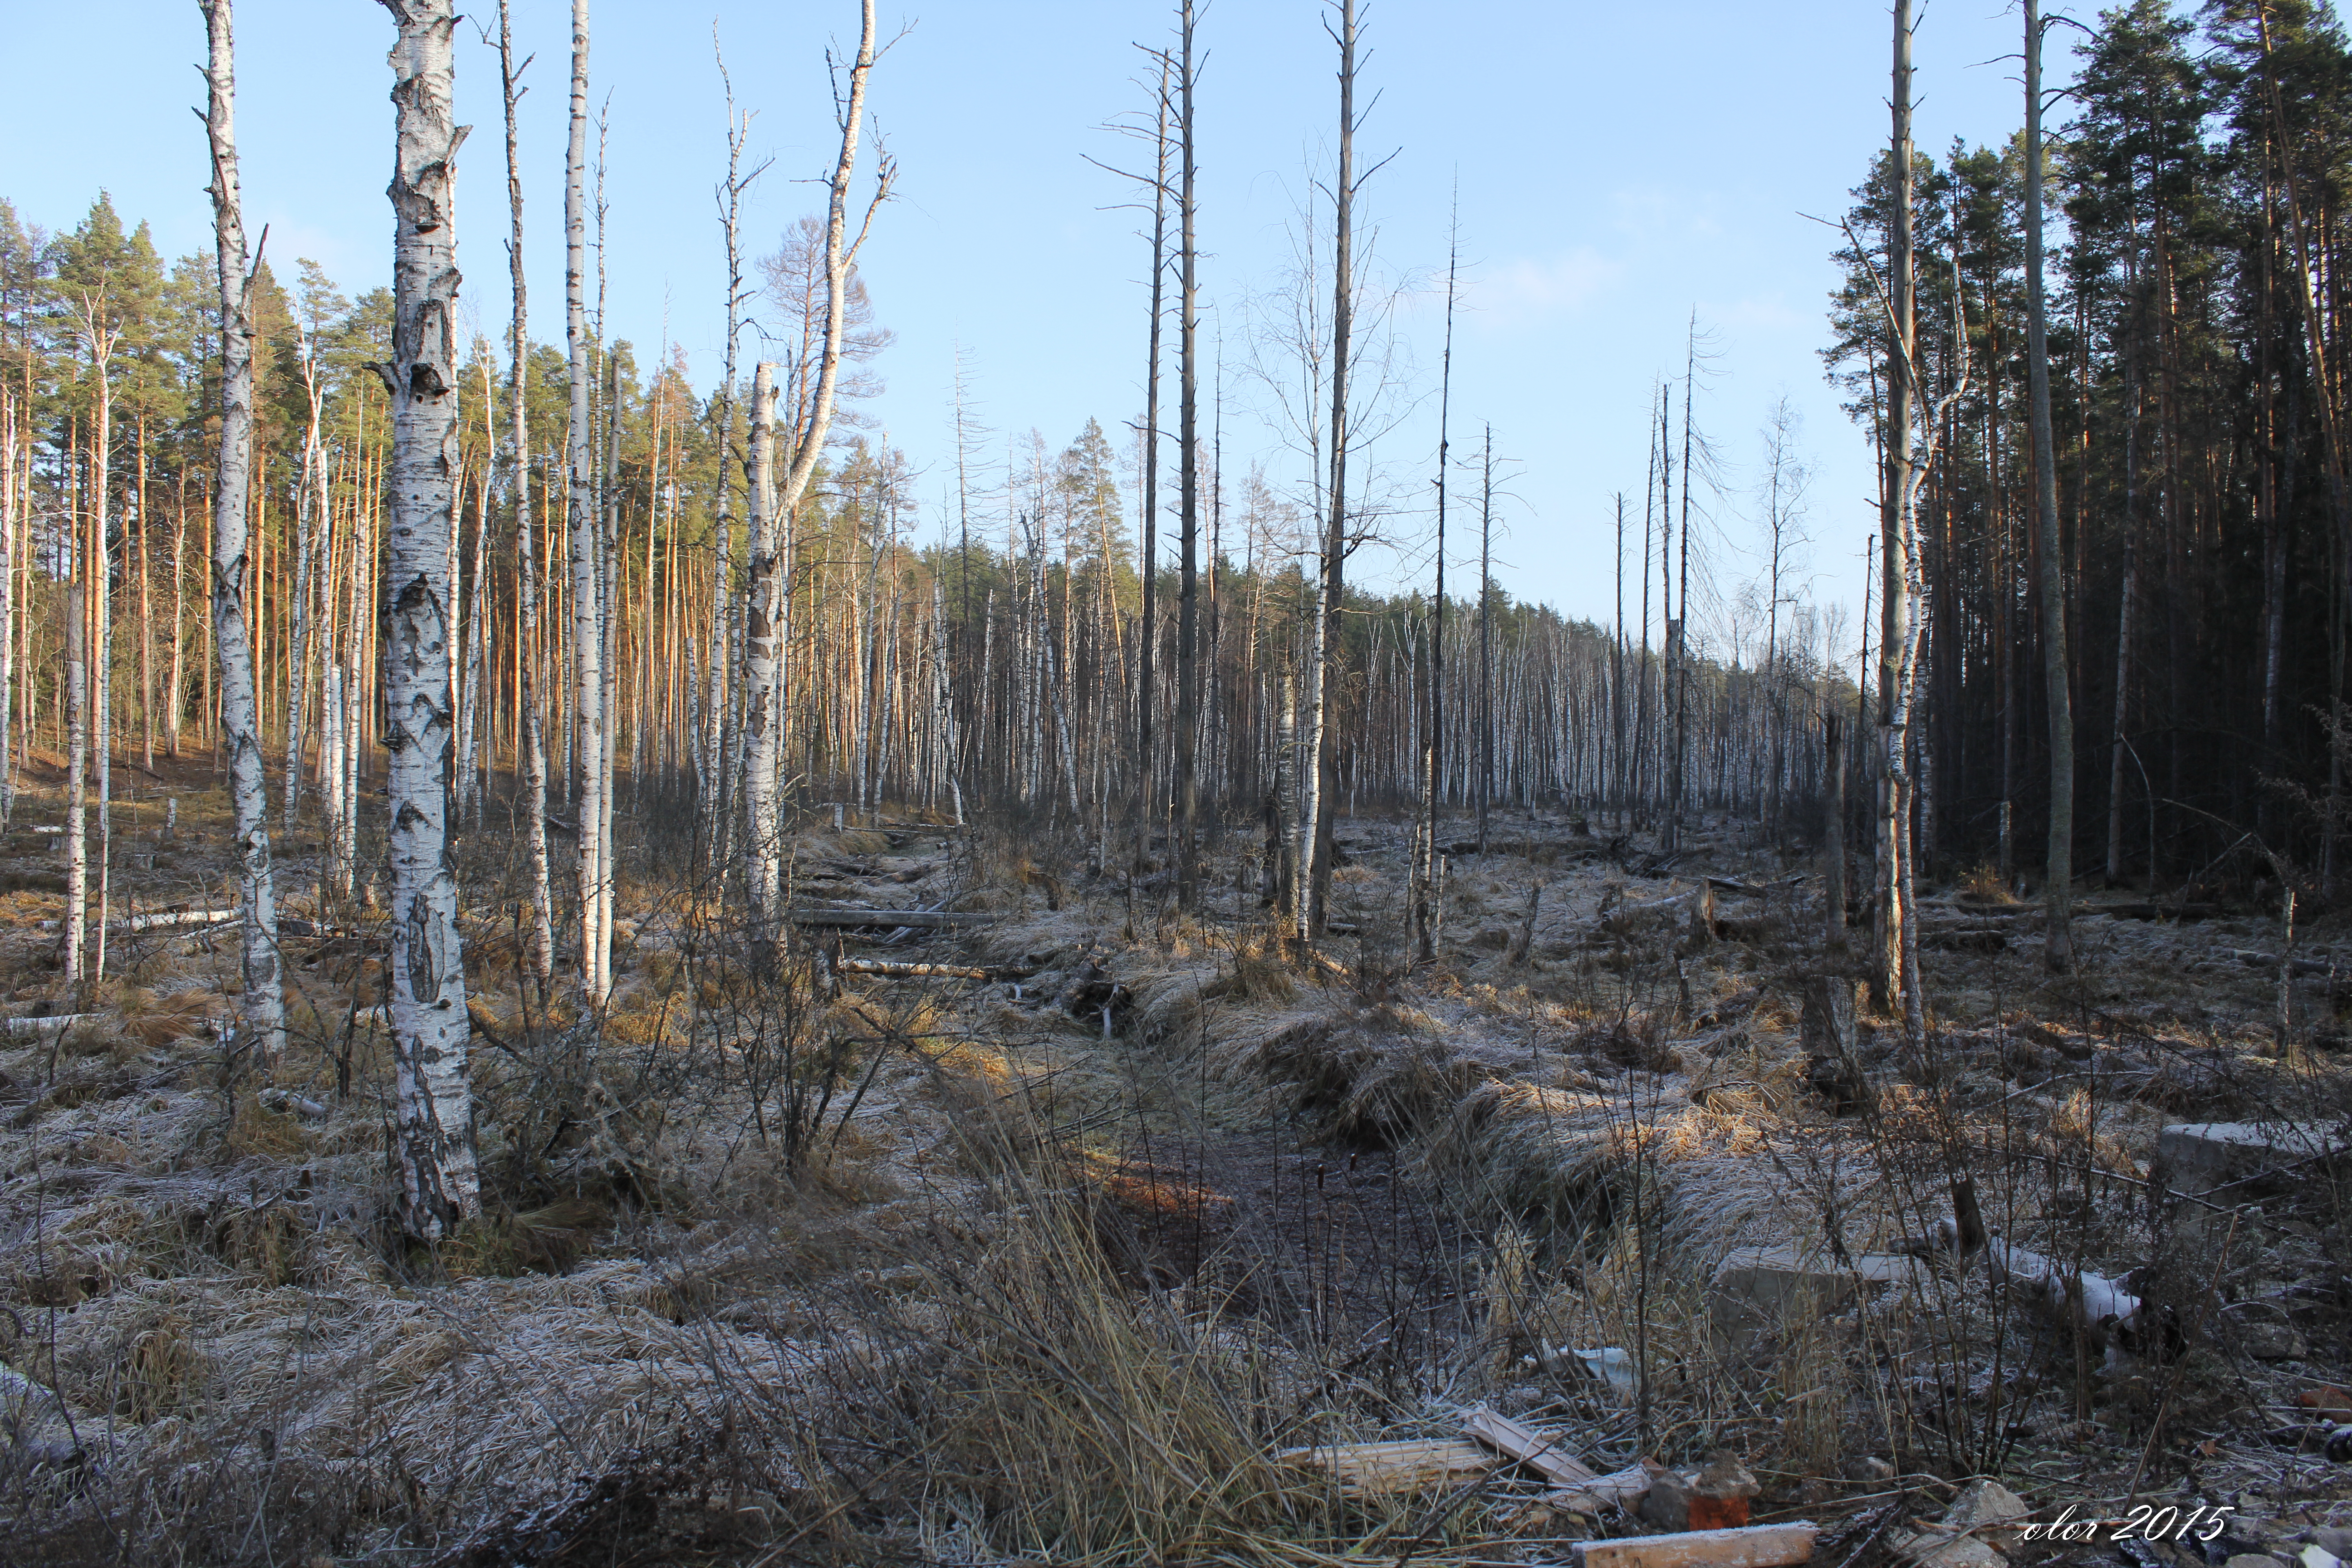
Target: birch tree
(762, 693)
(433, 1097)
(841, 247)
(262, 1002)
(532, 720)
(587, 624)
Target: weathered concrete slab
(1759, 1291)
(2225, 1159)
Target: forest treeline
(2197, 312)
(980, 649)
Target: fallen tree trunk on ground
(889, 919)
(57, 1024)
(891, 971)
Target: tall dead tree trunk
(1147, 694)
(440, 1188)
(1425, 899)
(263, 1001)
(1335, 533)
(841, 248)
(1886, 955)
(587, 641)
(2058, 875)
(539, 951)
(1188, 614)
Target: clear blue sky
(1620, 166)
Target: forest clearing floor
(1057, 1259)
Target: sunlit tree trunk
(262, 1002)
(762, 852)
(433, 1102)
(587, 641)
(539, 950)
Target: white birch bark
(439, 1185)
(310, 486)
(840, 256)
(540, 951)
(587, 640)
(762, 854)
(263, 1001)
(76, 784)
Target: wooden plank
(1537, 1450)
(921, 920)
(1416, 1465)
(1753, 1546)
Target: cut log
(888, 919)
(1537, 1450)
(1755, 1546)
(173, 920)
(1387, 1470)
(889, 971)
(37, 1028)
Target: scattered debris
(1537, 1450)
(1982, 1520)
(1713, 1498)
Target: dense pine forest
(604, 965)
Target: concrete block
(1764, 1290)
(2226, 1160)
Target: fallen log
(1384, 1469)
(56, 1023)
(1528, 1447)
(888, 919)
(171, 920)
(893, 971)
(2301, 968)
(1751, 1546)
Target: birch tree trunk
(433, 1102)
(541, 949)
(76, 784)
(587, 627)
(762, 690)
(263, 1000)
(841, 251)
(306, 523)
